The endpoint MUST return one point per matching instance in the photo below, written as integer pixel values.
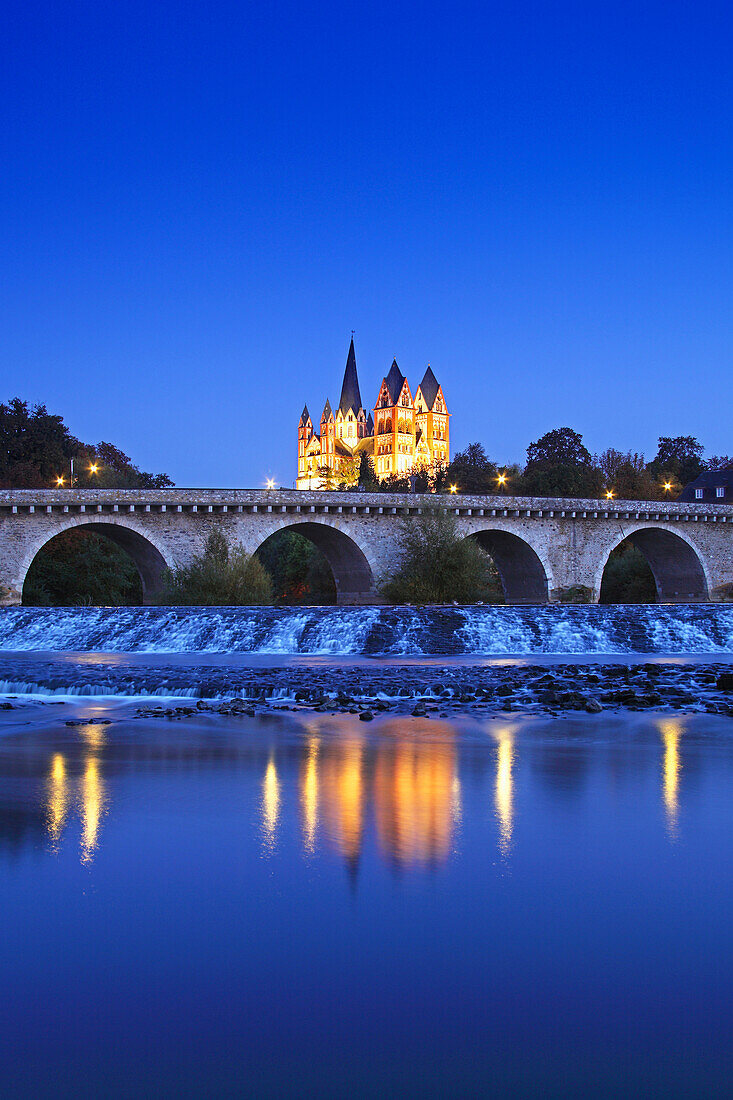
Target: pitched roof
(370, 425)
(429, 388)
(326, 411)
(350, 394)
(708, 481)
(305, 415)
(394, 380)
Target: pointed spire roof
(350, 394)
(305, 415)
(429, 387)
(370, 425)
(394, 381)
(326, 411)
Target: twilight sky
(199, 201)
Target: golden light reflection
(671, 731)
(504, 790)
(93, 735)
(309, 796)
(92, 807)
(58, 797)
(342, 792)
(417, 800)
(270, 804)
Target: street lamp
(453, 488)
(609, 494)
(667, 486)
(59, 481)
(271, 483)
(94, 468)
(501, 480)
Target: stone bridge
(544, 549)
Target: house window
(698, 494)
(720, 490)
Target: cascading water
(373, 631)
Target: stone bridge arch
(678, 566)
(145, 549)
(525, 573)
(352, 565)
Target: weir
(374, 632)
(546, 550)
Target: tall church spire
(350, 394)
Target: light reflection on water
(87, 791)
(671, 731)
(409, 785)
(504, 795)
(492, 906)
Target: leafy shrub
(437, 565)
(627, 577)
(223, 576)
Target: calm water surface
(319, 906)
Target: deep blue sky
(198, 202)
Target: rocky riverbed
(369, 689)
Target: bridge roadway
(544, 549)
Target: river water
(300, 904)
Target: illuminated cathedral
(401, 434)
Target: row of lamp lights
(501, 480)
(93, 468)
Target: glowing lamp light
(454, 488)
(609, 494)
(501, 478)
(59, 481)
(94, 468)
(667, 486)
(271, 483)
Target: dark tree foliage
(559, 464)
(299, 571)
(36, 447)
(437, 565)
(80, 567)
(718, 462)
(627, 476)
(627, 577)
(367, 478)
(472, 471)
(679, 457)
(222, 576)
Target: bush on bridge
(223, 576)
(437, 565)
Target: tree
(80, 567)
(626, 475)
(559, 464)
(437, 565)
(718, 462)
(348, 474)
(627, 577)
(222, 576)
(677, 457)
(299, 572)
(367, 477)
(473, 471)
(36, 447)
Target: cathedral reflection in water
(398, 788)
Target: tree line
(559, 464)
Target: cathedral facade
(401, 434)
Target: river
(287, 900)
